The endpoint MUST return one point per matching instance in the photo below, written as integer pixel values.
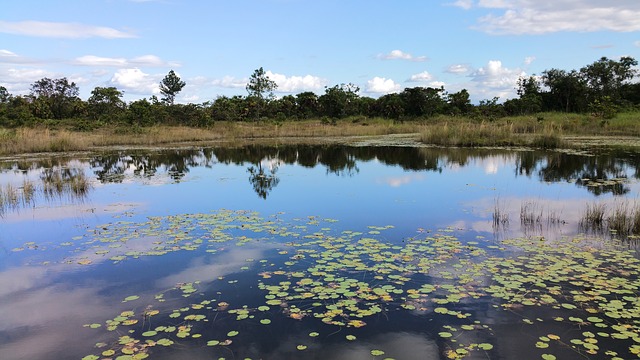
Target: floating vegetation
(347, 279)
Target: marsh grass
(469, 135)
(622, 218)
(593, 218)
(28, 192)
(80, 185)
(531, 214)
(36, 140)
(57, 184)
(499, 216)
(545, 130)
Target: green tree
(390, 106)
(420, 101)
(459, 103)
(307, 104)
(55, 98)
(170, 86)
(605, 77)
(567, 91)
(260, 86)
(530, 100)
(260, 89)
(139, 113)
(339, 101)
(105, 103)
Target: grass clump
(548, 141)
(469, 135)
(623, 219)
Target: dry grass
(543, 131)
(36, 140)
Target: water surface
(316, 252)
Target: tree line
(601, 88)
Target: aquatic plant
(346, 279)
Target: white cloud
(400, 55)
(145, 60)
(296, 84)
(421, 77)
(494, 79)
(380, 85)
(230, 82)
(529, 59)
(465, 4)
(7, 53)
(9, 57)
(401, 180)
(61, 30)
(458, 69)
(541, 17)
(637, 43)
(135, 81)
(18, 81)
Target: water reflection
(598, 174)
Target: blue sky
(382, 46)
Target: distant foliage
(601, 89)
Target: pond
(320, 252)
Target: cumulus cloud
(18, 80)
(145, 60)
(380, 85)
(401, 55)
(61, 30)
(529, 59)
(290, 84)
(230, 82)
(421, 77)
(458, 69)
(135, 81)
(465, 4)
(494, 79)
(541, 17)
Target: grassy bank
(62, 138)
(549, 130)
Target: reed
(500, 218)
(28, 192)
(622, 219)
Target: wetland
(361, 251)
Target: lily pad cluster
(348, 279)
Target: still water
(318, 252)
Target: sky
(381, 46)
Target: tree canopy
(599, 89)
(170, 86)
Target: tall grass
(623, 218)
(545, 130)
